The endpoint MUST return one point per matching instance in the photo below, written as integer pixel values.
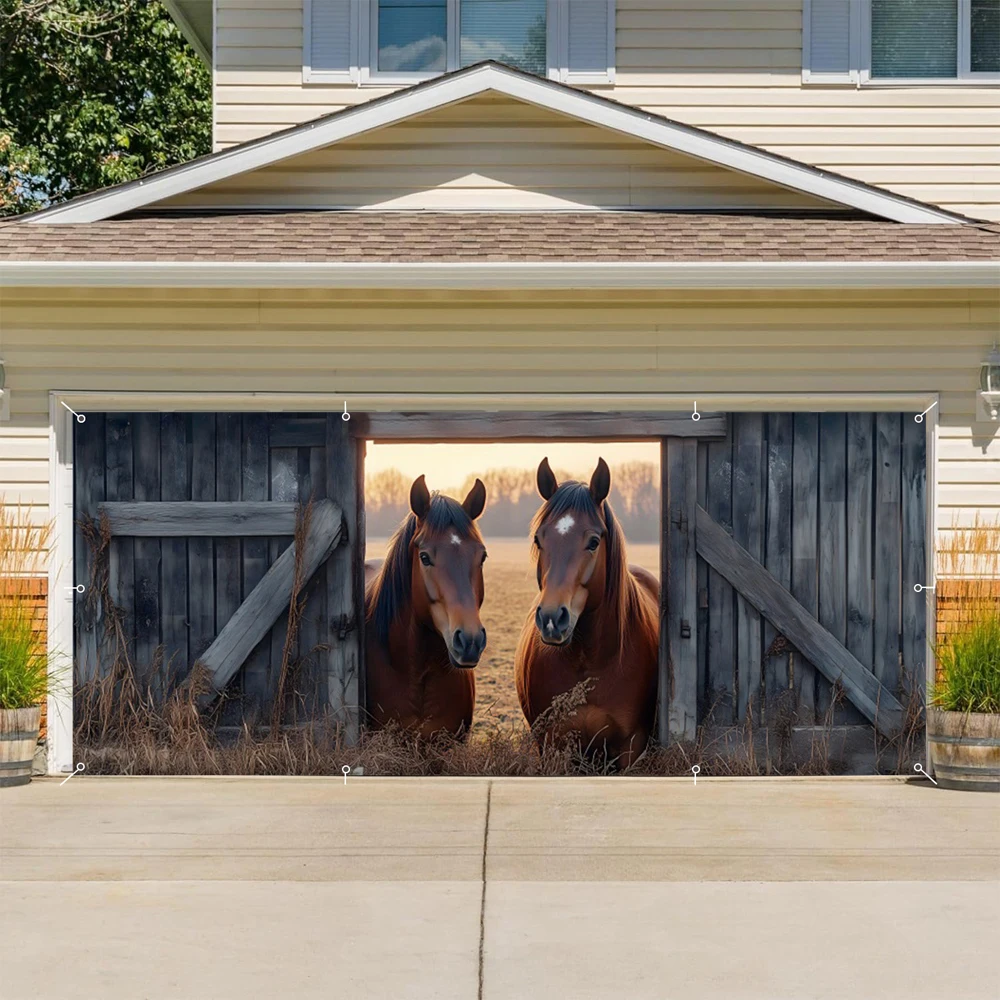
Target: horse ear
(600, 482)
(546, 480)
(420, 497)
(474, 503)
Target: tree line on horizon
(512, 500)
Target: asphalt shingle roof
(496, 236)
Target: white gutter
(560, 274)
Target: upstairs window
(404, 41)
(900, 41)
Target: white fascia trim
(569, 274)
(590, 108)
(187, 30)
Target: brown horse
(596, 619)
(423, 631)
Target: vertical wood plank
(284, 471)
(748, 530)
(255, 486)
(678, 681)
(89, 491)
(311, 487)
(701, 644)
(344, 578)
(175, 460)
(228, 551)
(200, 567)
(805, 520)
(832, 541)
(721, 598)
(887, 548)
(914, 543)
(120, 486)
(146, 470)
(778, 545)
(860, 597)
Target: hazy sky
(447, 465)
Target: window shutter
(589, 39)
(830, 41)
(328, 39)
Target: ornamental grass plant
(24, 662)
(968, 652)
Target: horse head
(572, 534)
(447, 556)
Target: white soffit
(471, 82)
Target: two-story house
(780, 211)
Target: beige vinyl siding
(495, 151)
(473, 343)
(732, 66)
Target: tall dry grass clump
(24, 662)
(968, 651)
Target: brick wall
(35, 591)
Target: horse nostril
(458, 639)
(562, 621)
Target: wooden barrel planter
(965, 750)
(18, 739)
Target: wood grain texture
(774, 602)
(258, 613)
(146, 441)
(805, 550)
(121, 551)
(749, 499)
(201, 519)
(778, 549)
(175, 458)
(832, 542)
(678, 681)
(721, 652)
(89, 491)
(533, 426)
(860, 534)
(344, 579)
(888, 484)
(255, 476)
(914, 555)
(201, 564)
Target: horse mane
(390, 591)
(621, 591)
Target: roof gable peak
(473, 81)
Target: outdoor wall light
(4, 393)
(989, 386)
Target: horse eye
(538, 544)
(425, 559)
(484, 557)
(593, 543)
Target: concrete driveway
(241, 888)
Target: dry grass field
(510, 594)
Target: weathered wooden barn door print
(790, 546)
(200, 510)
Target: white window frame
(310, 75)
(364, 48)
(861, 54)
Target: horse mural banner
(506, 593)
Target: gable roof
(470, 82)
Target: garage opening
(787, 548)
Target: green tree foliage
(92, 93)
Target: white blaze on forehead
(565, 523)
(455, 540)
